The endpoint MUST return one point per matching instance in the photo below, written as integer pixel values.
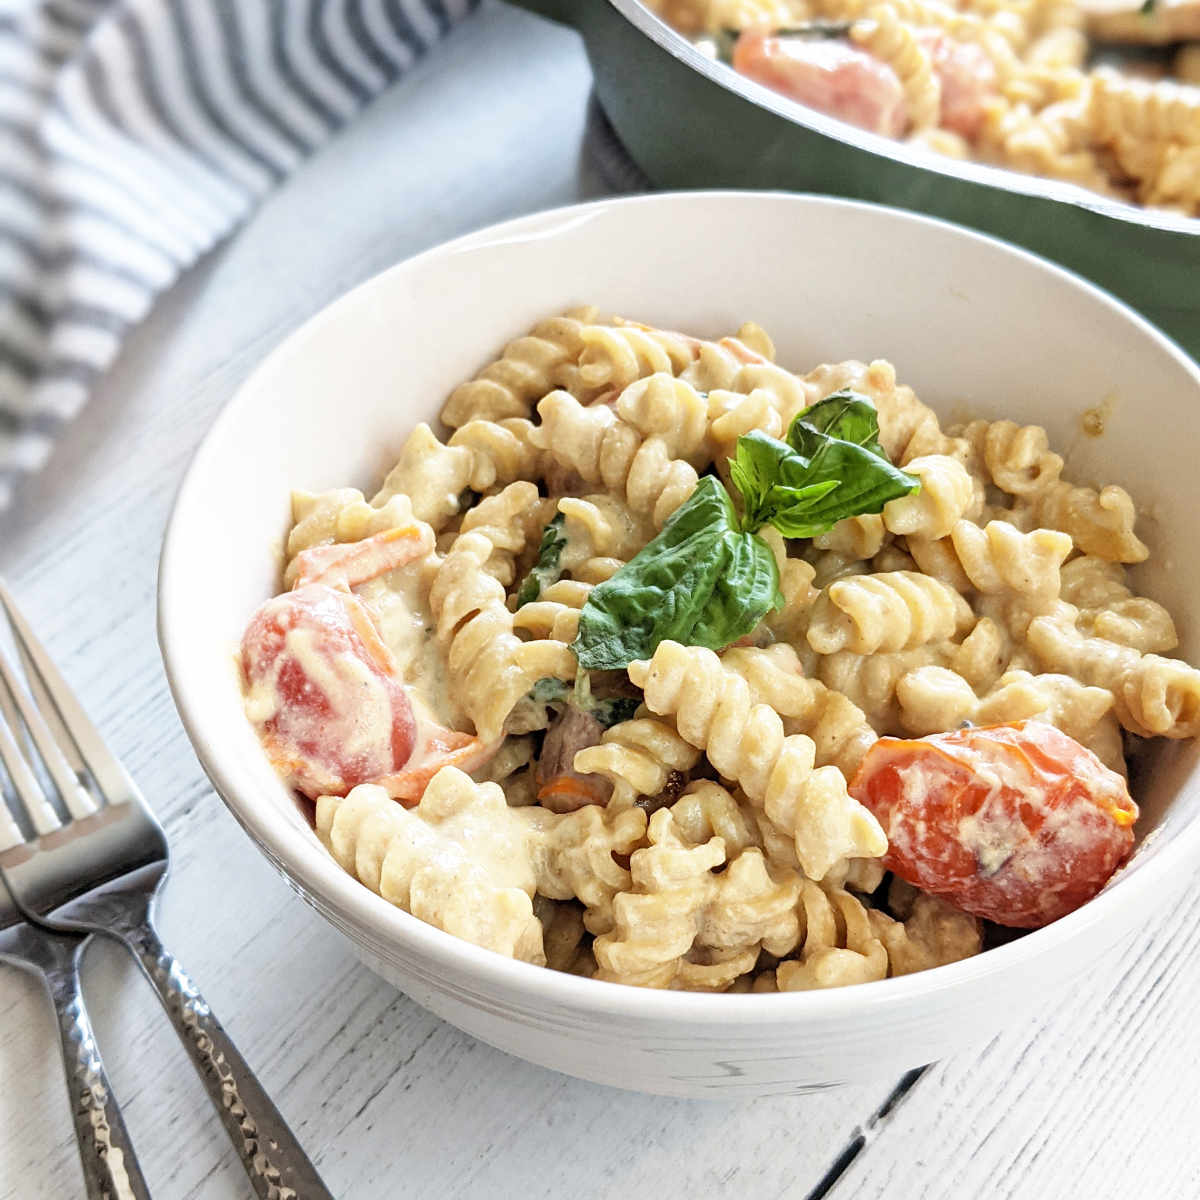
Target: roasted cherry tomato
(968, 79)
(831, 76)
(324, 691)
(1016, 823)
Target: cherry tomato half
(1018, 823)
(324, 691)
(831, 76)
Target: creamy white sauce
(360, 721)
(398, 601)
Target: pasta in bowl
(701, 813)
(582, 745)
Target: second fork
(110, 1167)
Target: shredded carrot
(740, 350)
(572, 788)
(347, 564)
(364, 625)
(443, 748)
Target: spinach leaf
(548, 691)
(614, 710)
(545, 569)
(608, 711)
(703, 581)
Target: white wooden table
(1100, 1101)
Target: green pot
(690, 122)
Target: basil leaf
(771, 477)
(838, 468)
(846, 415)
(755, 469)
(702, 581)
(546, 568)
(745, 591)
(865, 482)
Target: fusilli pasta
(687, 819)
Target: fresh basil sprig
(698, 582)
(546, 568)
(837, 441)
(708, 578)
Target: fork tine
(78, 802)
(25, 784)
(10, 836)
(10, 717)
(111, 778)
(45, 706)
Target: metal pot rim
(995, 178)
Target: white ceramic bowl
(972, 324)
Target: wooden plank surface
(1099, 1101)
(389, 1100)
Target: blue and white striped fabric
(134, 135)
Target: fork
(101, 872)
(110, 1167)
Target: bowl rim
(350, 905)
(992, 176)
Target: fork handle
(268, 1150)
(110, 1166)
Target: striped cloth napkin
(134, 135)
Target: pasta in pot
(1001, 81)
(583, 684)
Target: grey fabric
(134, 135)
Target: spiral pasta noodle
(683, 925)
(844, 942)
(602, 533)
(639, 757)
(891, 41)
(948, 493)
(1109, 609)
(895, 611)
(1099, 522)
(488, 663)
(1017, 458)
(603, 448)
(422, 860)
(840, 731)
(935, 698)
(528, 368)
(339, 515)
(997, 559)
(714, 710)
(555, 614)
(1155, 696)
(614, 356)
